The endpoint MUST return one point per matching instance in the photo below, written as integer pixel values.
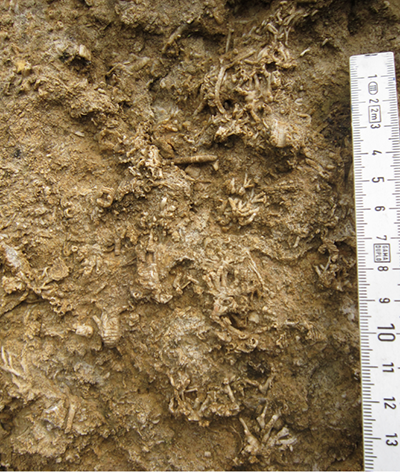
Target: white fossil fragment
(84, 53)
(84, 330)
(279, 136)
(109, 327)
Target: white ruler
(376, 148)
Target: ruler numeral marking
(388, 367)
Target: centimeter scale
(376, 149)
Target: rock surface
(177, 244)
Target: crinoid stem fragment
(253, 445)
(269, 426)
(196, 159)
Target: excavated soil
(177, 242)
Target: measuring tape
(376, 148)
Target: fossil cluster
(177, 254)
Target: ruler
(376, 149)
